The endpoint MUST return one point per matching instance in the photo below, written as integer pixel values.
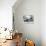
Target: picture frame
(28, 18)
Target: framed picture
(28, 18)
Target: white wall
(6, 13)
(43, 22)
(29, 7)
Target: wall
(6, 13)
(43, 22)
(29, 30)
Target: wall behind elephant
(31, 30)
